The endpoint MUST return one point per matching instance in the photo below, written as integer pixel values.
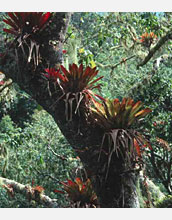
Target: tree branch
(156, 47)
(26, 191)
(115, 47)
(117, 64)
(47, 175)
(57, 155)
(156, 64)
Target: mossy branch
(26, 191)
(5, 85)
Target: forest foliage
(32, 149)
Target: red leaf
(123, 103)
(87, 71)
(100, 97)
(11, 31)
(9, 22)
(64, 70)
(57, 74)
(155, 124)
(64, 51)
(95, 80)
(115, 101)
(81, 68)
(59, 191)
(33, 182)
(39, 188)
(13, 17)
(137, 147)
(70, 183)
(45, 18)
(78, 181)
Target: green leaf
(41, 160)
(39, 107)
(69, 30)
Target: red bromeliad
(25, 22)
(76, 79)
(76, 84)
(147, 39)
(26, 26)
(79, 191)
(51, 73)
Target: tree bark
(119, 189)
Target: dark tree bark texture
(119, 188)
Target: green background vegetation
(28, 134)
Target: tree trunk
(119, 188)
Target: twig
(156, 64)
(122, 61)
(114, 66)
(25, 190)
(48, 175)
(115, 47)
(64, 29)
(57, 155)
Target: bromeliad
(76, 84)
(115, 115)
(120, 137)
(79, 191)
(26, 22)
(77, 79)
(147, 39)
(26, 27)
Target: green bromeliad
(115, 115)
(117, 120)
